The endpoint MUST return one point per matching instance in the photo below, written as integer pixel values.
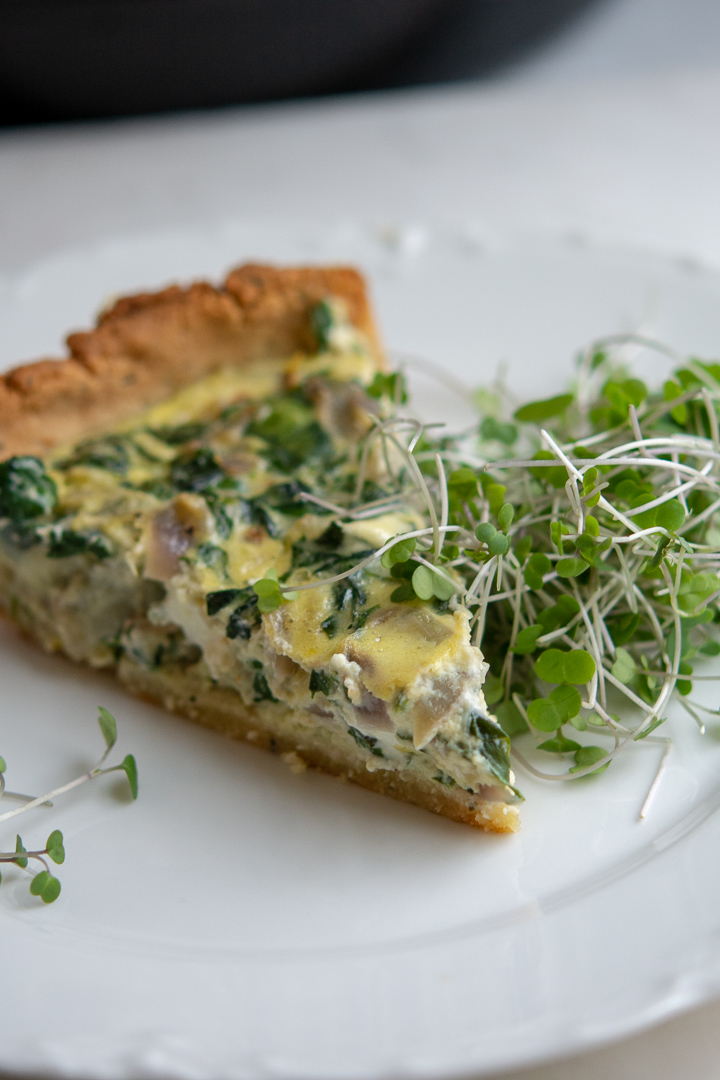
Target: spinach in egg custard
(213, 495)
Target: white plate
(240, 921)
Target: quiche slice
(196, 498)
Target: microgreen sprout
(43, 883)
(588, 558)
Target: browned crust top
(147, 347)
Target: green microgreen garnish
(43, 883)
(268, 592)
(589, 561)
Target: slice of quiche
(197, 498)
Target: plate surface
(241, 921)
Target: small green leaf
(422, 583)
(485, 532)
(495, 494)
(18, 848)
(402, 593)
(443, 589)
(493, 688)
(684, 686)
(538, 565)
(526, 641)
(499, 544)
(510, 718)
(427, 583)
(559, 745)
(579, 666)
(695, 589)
(462, 487)
(651, 727)
(557, 531)
(670, 515)
(558, 666)
(624, 669)
(556, 475)
(398, 553)
(45, 886)
(589, 480)
(3, 766)
(51, 891)
(39, 882)
(537, 411)
(54, 847)
(267, 590)
(522, 548)
(624, 628)
(585, 543)
(588, 755)
(559, 614)
(568, 568)
(621, 393)
(550, 713)
(108, 726)
(129, 767)
(550, 666)
(592, 527)
(492, 429)
(505, 516)
(388, 386)
(579, 722)
(673, 390)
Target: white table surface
(610, 132)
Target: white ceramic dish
(240, 921)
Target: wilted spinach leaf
(261, 688)
(196, 470)
(216, 601)
(292, 434)
(349, 595)
(245, 615)
(64, 543)
(213, 556)
(366, 742)
(108, 452)
(321, 682)
(176, 436)
(495, 746)
(26, 491)
(322, 320)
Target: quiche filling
(143, 549)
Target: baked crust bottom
(307, 743)
(275, 727)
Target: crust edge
(148, 346)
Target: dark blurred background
(77, 59)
